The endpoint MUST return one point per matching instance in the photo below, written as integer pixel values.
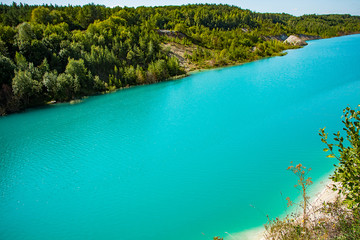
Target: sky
(294, 7)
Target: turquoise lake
(191, 159)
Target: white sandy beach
(322, 193)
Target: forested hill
(60, 53)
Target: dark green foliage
(63, 48)
(7, 68)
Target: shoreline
(321, 193)
(187, 74)
(200, 70)
(177, 77)
(174, 78)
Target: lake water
(186, 159)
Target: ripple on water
(175, 160)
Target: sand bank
(322, 193)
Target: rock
(169, 33)
(295, 40)
(281, 37)
(308, 37)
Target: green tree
(181, 27)
(174, 66)
(36, 52)
(25, 86)
(50, 82)
(24, 35)
(67, 87)
(117, 38)
(3, 48)
(161, 70)
(21, 62)
(77, 69)
(140, 75)
(56, 17)
(130, 75)
(99, 85)
(41, 15)
(7, 68)
(347, 152)
(7, 35)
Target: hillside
(53, 53)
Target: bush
(335, 220)
(347, 172)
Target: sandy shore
(251, 234)
(322, 193)
(325, 195)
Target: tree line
(61, 53)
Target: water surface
(186, 159)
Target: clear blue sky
(294, 7)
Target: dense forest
(55, 53)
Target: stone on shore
(295, 40)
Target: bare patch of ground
(179, 51)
